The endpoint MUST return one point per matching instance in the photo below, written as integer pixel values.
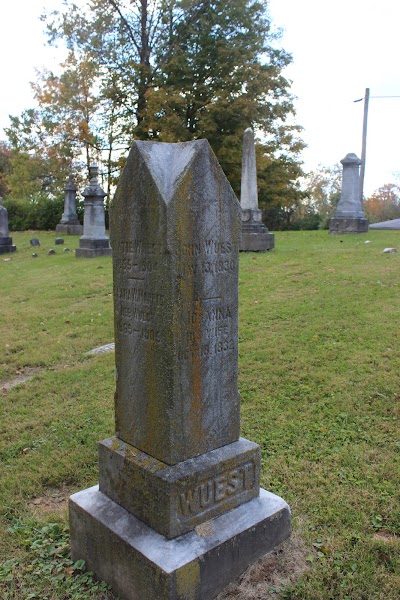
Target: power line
(361, 99)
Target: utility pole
(364, 145)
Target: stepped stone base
(257, 242)
(6, 245)
(141, 564)
(348, 225)
(255, 236)
(70, 229)
(173, 499)
(91, 248)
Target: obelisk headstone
(6, 244)
(69, 223)
(94, 241)
(349, 216)
(179, 512)
(255, 235)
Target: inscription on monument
(175, 295)
(217, 489)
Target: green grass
(319, 378)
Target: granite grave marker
(255, 235)
(6, 244)
(178, 512)
(69, 223)
(94, 241)
(349, 216)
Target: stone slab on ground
(173, 499)
(392, 224)
(141, 564)
(102, 349)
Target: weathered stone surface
(94, 241)
(34, 242)
(255, 235)
(179, 514)
(69, 224)
(175, 228)
(174, 499)
(350, 225)
(349, 216)
(6, 244)
(59, 241)
(141, 564)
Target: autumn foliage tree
(384, 204)
(169, 71)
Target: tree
(171, 71)
(323, 187)
(384, 204)
(5, 168)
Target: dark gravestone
(179, 513)
(6, 244)
(51, 251)
(349, 216)
(34, 242)
(94, 241)
(69, 223)
(59, 241)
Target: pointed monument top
(168, 162)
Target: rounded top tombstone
(351, 159)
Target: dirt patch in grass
(386, 536)
(54, 501)
(271, 573)
(23, 375)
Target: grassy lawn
(319, 376)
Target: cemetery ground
(319, 356)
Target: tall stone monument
(349, 216)
(69, 223)
(6, 244)
(94, 241)
(255, 236)
(178, 512)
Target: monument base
(6, 245)
(348, 225)
(141, 564)
(92, 247)
(69, 229)
(257, 242)
(174, 499)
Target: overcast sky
(339, 48)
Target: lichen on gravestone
(175, 229)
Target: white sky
(339, 49)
